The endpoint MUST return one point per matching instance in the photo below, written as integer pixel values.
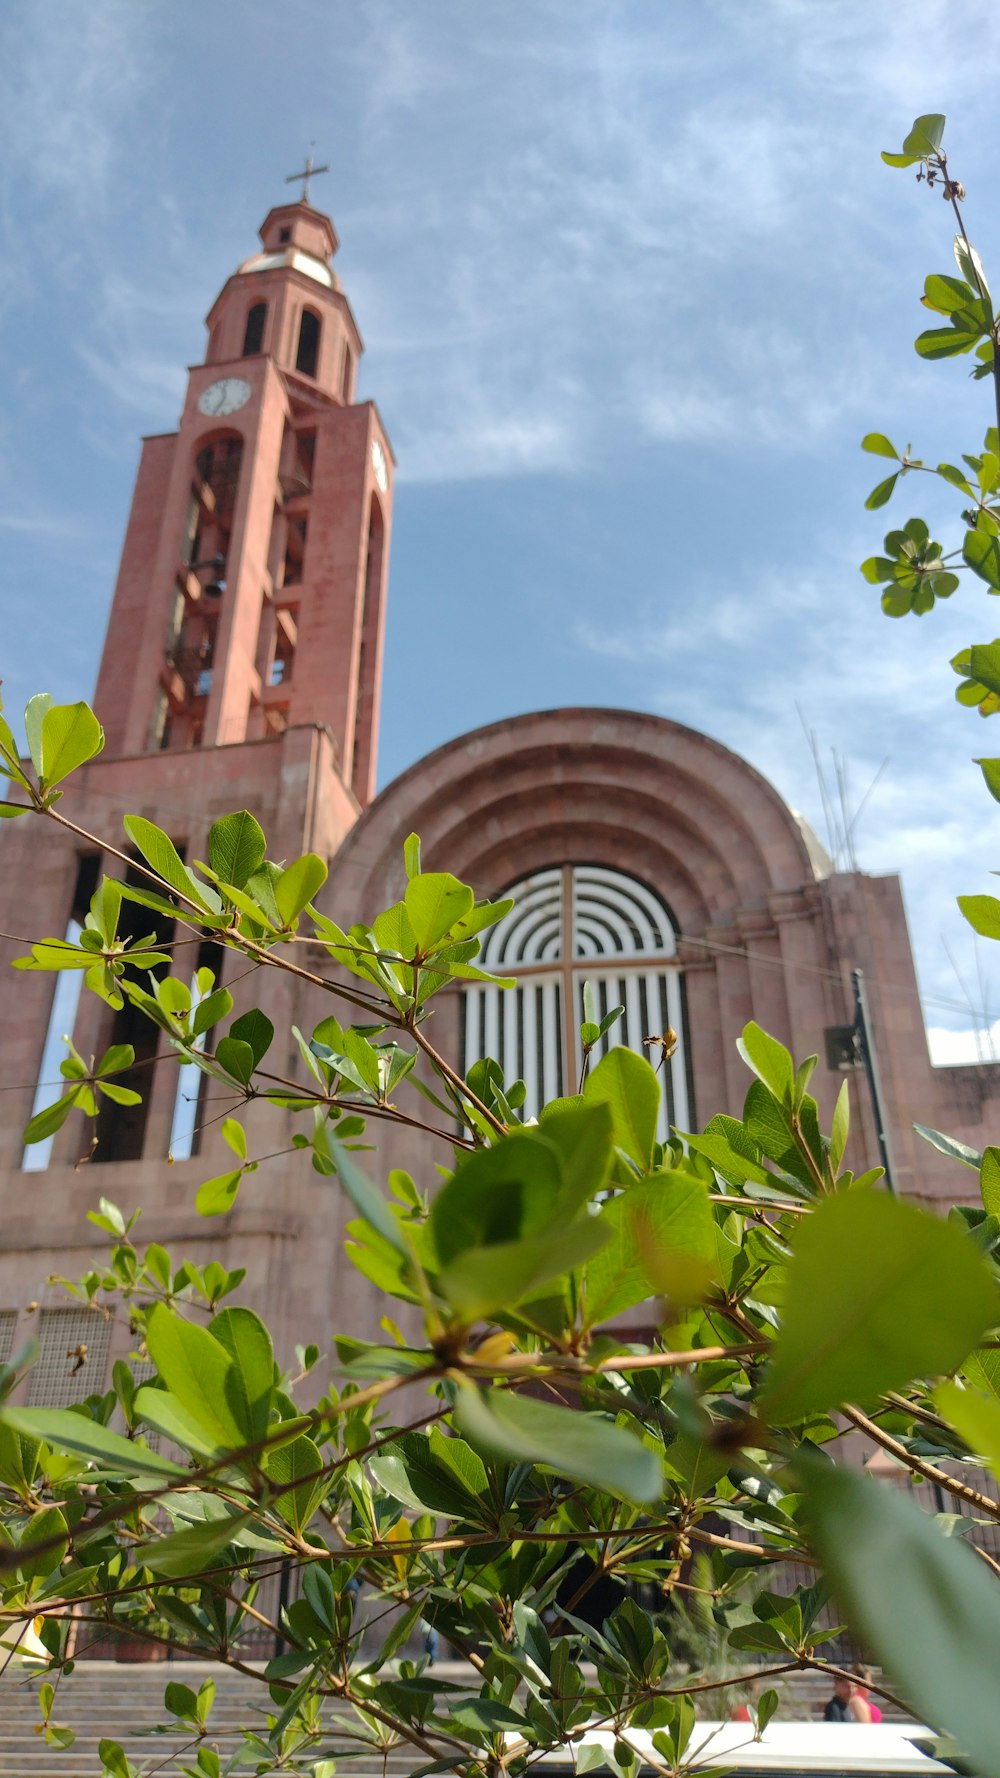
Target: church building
(242, 668)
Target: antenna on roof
(841, 823)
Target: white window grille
(57, 1379)
(568, 926)
(8, 1322)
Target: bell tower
(240, 669)
(251, 594)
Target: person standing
(838, 1708)
(861, 1696)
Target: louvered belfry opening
(570, 925)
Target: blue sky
(633, 283)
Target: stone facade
(764, 930)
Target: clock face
(380, 466)
(224, 397)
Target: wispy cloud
(68, 85)
(758, 665)
(40, 522)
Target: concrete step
(118, 1700)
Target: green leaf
(163, 1412)
(949, 295)
(947, 342)
(662, 1238)
(879, 445)
(925, 135)
(976, 1419)
(482, 1280)
(923, 1605)
(694, 1465)
(583, 1136)
(770, 1061)
(66, 1431)
(420, 1475)
(949, 473)
(971, 267)
(46, 1531)
(498, 1195)
(297, 885)
(584, 1446)
(981, 549)
(250, 1386)
(186, 1552)
(234, 1134)
(840, 1128)
(236, 847)
(115, 1060)
(71, 734)
(196, 1370)
(411, 855)
(254, 1028)
(318, 1589)
(982, 913)
(55, 953)
(627, 1083)
(297, 1462)
(989, 1181)
(767, 1707)
(47, 1121)
(180, 1700)
(218, 1195)
(365, 1197)
(236, 1058)
(949, 1145)
(163, 857)
(113, 1760)
(209, 1011)
(120, 1096)
(863, 1269)
(983, 662)
(35, 712)
(434, 902)
(10, 762)
(882, 493)
(990, 769)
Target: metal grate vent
(58, 1378)
(8, 1322)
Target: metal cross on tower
(306, 174)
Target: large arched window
(571, 925)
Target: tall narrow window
(286, 635)
(307, 356)
(62, 1014)
(253, 337)
(347, 374)
(295, 551)
(121, 1129)
(568, 926)
(363, 710)
(189, 1100)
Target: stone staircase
(117, 1700)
